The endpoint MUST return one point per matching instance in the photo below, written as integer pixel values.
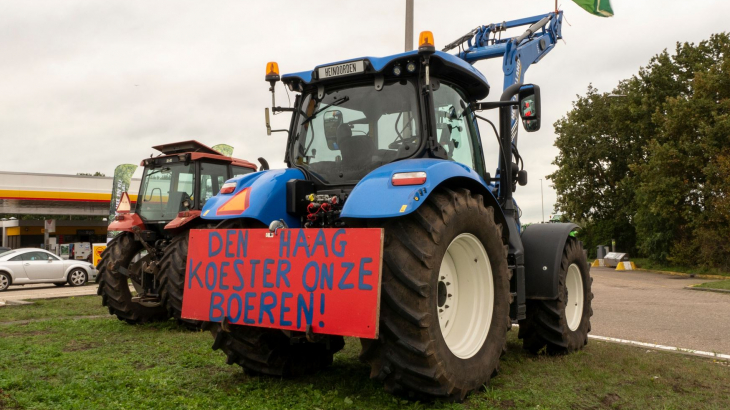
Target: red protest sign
(326, 278)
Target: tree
(648, 163)
(682, 195)
(95, 174)
(594, 181)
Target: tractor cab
(355, 116)
(176, 184)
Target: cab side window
(453, 126)
(212, 177)
(18, 258)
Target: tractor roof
(185, 146)
(198, 151)
(443, 65)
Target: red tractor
(150, 251)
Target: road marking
(657, 347)
(661, 347)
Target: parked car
(4, 249)
(33, 265)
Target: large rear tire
(561, 326)
(114, 286)
(445, 265)
(270, 352)
(172, 279)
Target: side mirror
(268, 122)
(530, 107)
(332, 121)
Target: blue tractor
(393, 143)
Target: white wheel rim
(77, 278)
(573, 297)
(3, 282)
(465, 298)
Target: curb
(28, 321)
(14, 302)
(687, 275)
(30, 301)
(708, 289)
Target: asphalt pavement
(656, 308)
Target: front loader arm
(518, 53)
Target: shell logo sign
(98, 250)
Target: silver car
(33, 265)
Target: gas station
(58, 197)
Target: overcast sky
(87, 85)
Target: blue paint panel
(267, 201)
(376, 197)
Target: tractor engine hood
(257, 196)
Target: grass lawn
(106, 364)
(721, 284)
(645, 263)
(53, 308)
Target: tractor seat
(357, 150)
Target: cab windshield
(164, 189)
(354, 130)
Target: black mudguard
(544, 244)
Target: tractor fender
(126, 222)
(544, 244)
(266, 197)
(182, 218)
(375, 196)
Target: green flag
(224, 149)
(122, 179)
(600, 8)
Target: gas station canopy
(56, 194)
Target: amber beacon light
(272, 71)
(426, 43)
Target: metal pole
(542, 200)
(409, 25)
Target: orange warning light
(272, 71)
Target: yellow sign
(98, 249)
